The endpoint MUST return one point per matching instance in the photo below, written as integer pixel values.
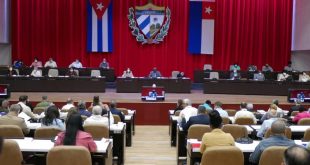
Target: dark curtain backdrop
(247, 31)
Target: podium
(149, 93)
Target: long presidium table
(54, 84)
(171, 85)
(104, 147)
(251, 87)
(109, 74)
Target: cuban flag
(201, 26)
(99, 26)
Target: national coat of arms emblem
(149, 23)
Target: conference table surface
(171, 85)
(252, 87)
(40, 145)
(54, 84)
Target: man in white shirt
(76, 64)
(96, 117)
(244, 113)
(188, 111)
(218, 107)
(68, 105)
(26, 109)
(50, 63)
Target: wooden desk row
(30, 145)
(194, 155)
(120, 133)
(178, 136)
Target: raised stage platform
(155, 113)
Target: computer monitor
(302, 95)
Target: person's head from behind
(23, 98)
(15, 109)
(215, 119)
(5, 104)
(97, 110)
(113, 104)
(51, 114)
(180, 103)
(187, 102)
(72, 110)
(81, 105)
(296, 155)
(276, 102)
(243, 105)
(69, 101)
(202, 110)
(208, 102)
(249, 106)
(96, 100)
(278, 127)
(218, 104)
(73, 125)
(44, 98)
(302, 109)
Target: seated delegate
(75, 134)
(50, 63)
(154, 73)
(104, 64)
(127, 74)
(76, 64)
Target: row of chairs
(65, 155)
(233, 155)
(237, 131)
(13, 131)
(249, 121)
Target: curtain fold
(247, 32)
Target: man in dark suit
(201, 118)
(115, 111)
